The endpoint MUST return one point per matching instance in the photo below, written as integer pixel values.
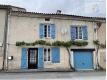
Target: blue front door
(83, 60)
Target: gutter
(5, 42)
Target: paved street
(54, 75)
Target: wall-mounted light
(1, 44)
(10, 58)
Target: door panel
(32, 58)
(24, 63)
(83, 60)
(40, 58)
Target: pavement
(100, 75)
(36, 70)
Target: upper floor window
(79, 32)
(47, 55)
(47, 19)
(47, 31)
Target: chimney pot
(58, 12)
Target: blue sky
(75, 7)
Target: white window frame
(47, 31)
(78, 27)
(47, 55)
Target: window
(79, 33)
(47, 31)
(32, 56)
(47, 19)
(47, 54)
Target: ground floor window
(47, 54)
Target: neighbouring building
(3, 16)
(4, 13)
(29, 27)
(102, 39)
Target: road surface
(54, 75)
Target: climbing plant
(98, 46)
(97, 43)
(55, 43)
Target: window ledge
(79, 39)
(48, 38)
(47, 62)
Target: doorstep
(36, 70)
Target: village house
(55, 41)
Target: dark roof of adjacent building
(14, 8)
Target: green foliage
(102, 45)
(41, 42)
(97, 43)
(48, 44)
(20, 43)
(62, 43)
(80, 43)
(68, 44)
(56, 43)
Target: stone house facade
(29, 27)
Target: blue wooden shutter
(41, 30)
(55, 55)
(73, 32)
(24, 63)
(53, 31)
(40, 58)
(85, 33)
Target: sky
(96, 8)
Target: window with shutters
(47, 30)
(79, 33)
(47, 54)
(33, 56)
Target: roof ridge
(58, 14)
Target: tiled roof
(55, 14)
(24, 12)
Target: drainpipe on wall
(5, 41)
(97, 25)
(95, 31)
(96, 48)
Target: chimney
(58, 12)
